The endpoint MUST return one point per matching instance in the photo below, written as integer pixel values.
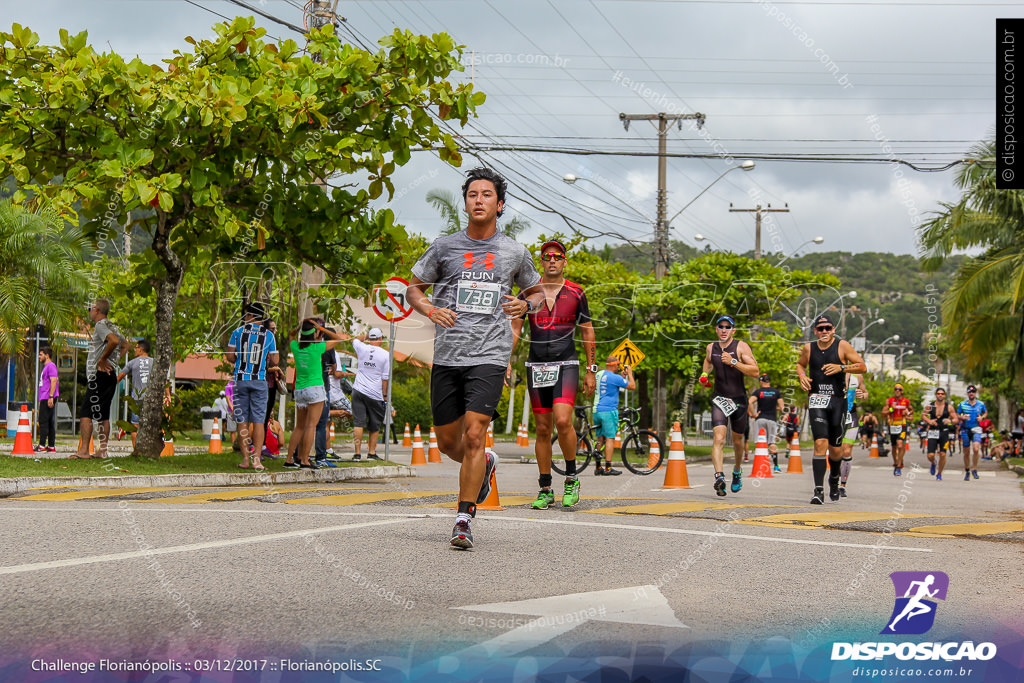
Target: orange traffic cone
(617, 444)
(654, 455)
(522, 438)
(434, 453)
(874, 448)
(418, 456)
(407, 439)
(23, 438)
(168, 448)
(762, 461)
(675, 472)
(215, 444)
(489, 441)
(492, 502)
(795, 465)
(330, 432)
(92, 448)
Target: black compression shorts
(739, 418)
(830, 423)
(542, 399)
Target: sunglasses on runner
(725, 327)
(552, 257)
(824, 328)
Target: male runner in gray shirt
(472, 273)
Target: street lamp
(701, 238)
(882, 344)
(570, 179)
(899, 373)
(816, 240)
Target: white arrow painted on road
(641, 605)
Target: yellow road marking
(670, 508)
(102, 493)
(234, 494)
(821, 519)
(979, 529)
(362, 498)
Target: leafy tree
(41, 273)
(983, 310)
(228, 143)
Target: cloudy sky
(808, 89)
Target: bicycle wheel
(637, 452)
(583, 454)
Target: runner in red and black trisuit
(553, 369)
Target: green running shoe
(545, 499)
(572, 493)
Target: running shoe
(933, 469)
(842, 491)
(777, 469)
(485, 488)
(720, 485)
(373, 456)
(291, 465)
(545, 499)
(311, 465)
(938, 477)
(571, 496)
(598, 470)
(610, 471)
(819, 496)
(746, 457)
(737, 484)
(967, 475)
(897, 471)
(324, 462)
(51, 449)
(462, 538)
(357, 457)
(833, 489)
(974, 473)
(39, 449)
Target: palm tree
(983, 311)
(43, 278)
(449, 205)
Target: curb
(10, 487)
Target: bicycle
(636, 444)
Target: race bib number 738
(477, 297)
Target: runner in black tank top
(822, 369)
(940, 424)
(731, 360)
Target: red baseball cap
(553, 243)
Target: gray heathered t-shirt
(472, 277)
(138, 370)
(98, 343)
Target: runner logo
(914, 611)
(487, 260)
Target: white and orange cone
(407, 439)
(419, 457)
(215, 444)
(23, 438)
(675, 473)
(434, 453)
(795, 465)
(762, 459)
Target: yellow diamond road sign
(628, 354)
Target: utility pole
(659, 420)
(758, 211)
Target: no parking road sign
(389, 301)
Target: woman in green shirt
(309, 394)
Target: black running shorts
(455, 391)
(830, 423)
(99, 394)
(941, 443)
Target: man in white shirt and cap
(373, 368)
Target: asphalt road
(329, 572)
